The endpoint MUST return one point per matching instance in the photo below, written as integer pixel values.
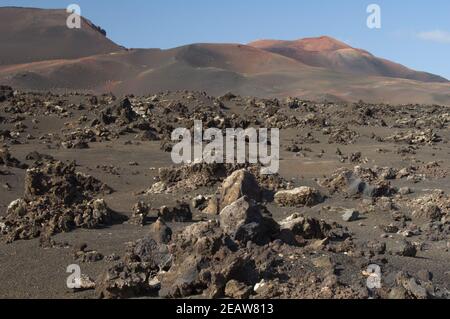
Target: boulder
(243, 221)
(240, 183)
(429, 212)
(139, 215)
(181, 212)
(160, 232)
(405, 249)
(212, 207)
(123, 281)
(302, 196)
(350, 215)
(311, 228)
(147, 250)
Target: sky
(415, 33)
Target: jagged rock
(160, 232)
(6, 159)
(413, 287)
(192, 250)
(429, 211)
(405, 191)
(139, 215)
(240, 183)
(213, 206)
(302, 196)
(57, 199)
(350, 215)
(398, 293)
(126, 281)
(427, 136)
(237, 290)
(86, 283)
(323, 262)
(181, 212)
(191, 177)
(148, 135)
(311, 228)
(88, 256)
(147, 250)
(125, 111)
(244, 222)
(424, 275)
(62, 183)
(38, 157)
(199, 202)
(97, 214)
(360, 181)
(111, 258)
(405, 248)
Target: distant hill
(39, 52)
(332, 54)
(31, 35)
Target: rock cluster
(57, 199)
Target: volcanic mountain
(39, 52)
(30, 35)
(332, 54)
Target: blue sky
(414, 32)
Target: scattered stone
(160, 232)
(111, 258)
(323, 262)
(139, 215)
(237, 290)
(181, 213)
(424, 275)
(147, 250)
(189, 177)
(311, 228)
(7, 160)
(413, 287)
(405, 191)
(199, 202)
(126, 281)
(91, 256)
(302, 196)
(405, 249)
(361, 181)
(85, 283)
(350, 215)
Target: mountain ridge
(58, 58)
(333, 54)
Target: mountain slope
(211, 67)
(40, 53)
(332, 54)
(216, 69)
(31, 35)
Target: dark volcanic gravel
(89, 180)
